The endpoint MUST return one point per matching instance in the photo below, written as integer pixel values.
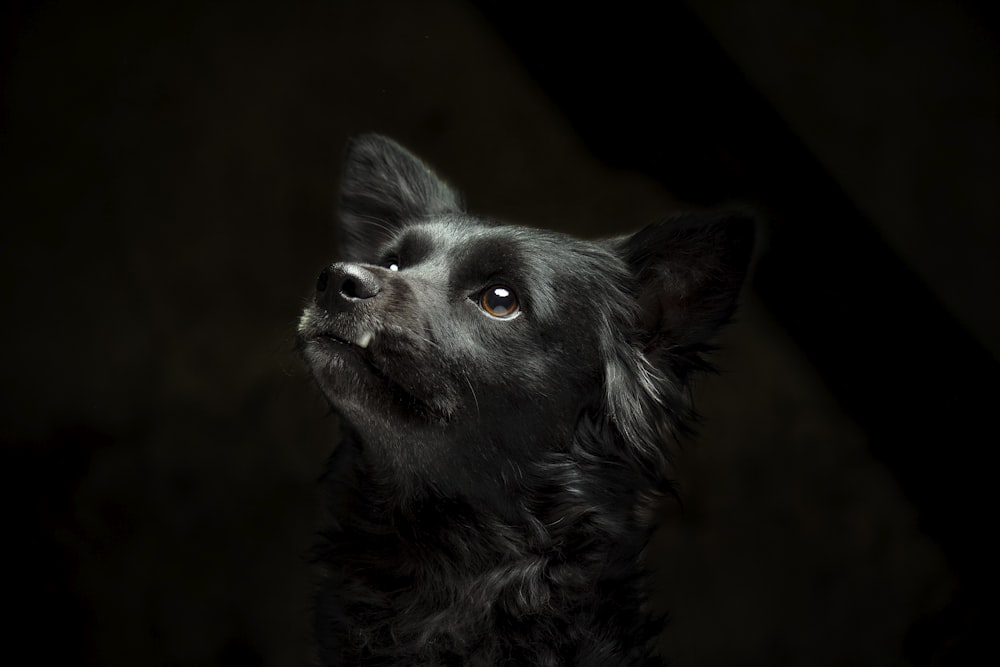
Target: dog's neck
(545, 498)
(547, 516)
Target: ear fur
(690, 270)
(383, 188)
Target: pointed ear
(383, 188)
(690, 270)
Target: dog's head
(459, 350)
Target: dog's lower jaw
(359, 388)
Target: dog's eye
(392, 263)
(499, 302)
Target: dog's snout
(341, 284)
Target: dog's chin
(357, 382)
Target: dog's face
(455, 346)
(464, 339)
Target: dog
(507, 397)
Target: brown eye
(499, 302)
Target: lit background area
(168, 178)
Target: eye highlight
(500, 302)
(391, 263)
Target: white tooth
(365, 340)
(303, 321)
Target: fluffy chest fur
(445, 582)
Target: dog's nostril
(342, 284)
(352, 290)
(323, 279)
(356, 282)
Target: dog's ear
(690, 270)
(384, 187)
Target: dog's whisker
(473, 390)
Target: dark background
(168, 177)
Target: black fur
(498, 477)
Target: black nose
(342, 284)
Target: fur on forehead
(551, 268)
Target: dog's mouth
(359, 345)
(375, 363)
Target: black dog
(506, 395)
